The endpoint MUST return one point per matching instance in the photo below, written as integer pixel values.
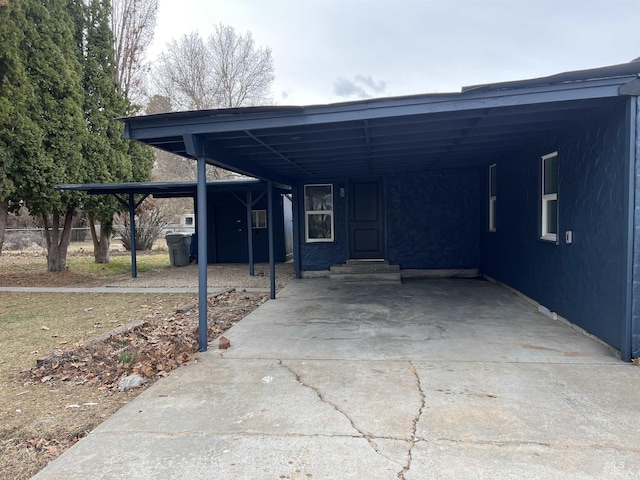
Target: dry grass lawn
(38, 421)
(41, 416)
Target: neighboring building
(530, 182)
(186, 224)
(228, 216)
(227, 229)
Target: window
(549, 217)
(492, 197)
(259, 219)
(318, 213)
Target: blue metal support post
(132, 236)
(250, 232)
(201, 195)
(295, 214)
(272, 265)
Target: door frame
(383, 213)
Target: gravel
(228, 275)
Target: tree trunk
(101, 242)
(57, 241)
(4, 208)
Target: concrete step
(364, 267)
(366, 271)
(366, 261)
(371, 278)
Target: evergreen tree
(19, 136)
(108, 156)
(105, 150)
(49, 56)
(56, 75)
(58, 108)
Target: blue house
(532, 183)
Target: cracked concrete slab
(428, 379)
(223, 397)
(437, 320)
(364, 391)
(560, 404)
(495, 461)
(197, 456)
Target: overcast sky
(337, 50)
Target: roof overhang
(387, 135)
(170, 189)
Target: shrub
(149, 224)
(24, 240)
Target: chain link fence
(25, 238)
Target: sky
(328, 51)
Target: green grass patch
(118, 265)
(9, 318)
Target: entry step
(366, 272)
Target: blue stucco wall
(433, 219)
(432, 222)
(584, 282)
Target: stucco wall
(432, 222)
(433, 219)
(584, 282)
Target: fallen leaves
(151, 349)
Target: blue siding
(434, 219)
(584, 282)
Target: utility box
(178, 244)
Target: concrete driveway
(426, 380)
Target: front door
(366, 219)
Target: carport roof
(167, 189)
(379, 136)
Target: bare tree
(244, 72)
(225, 71)
(132, 23)
(184, 75)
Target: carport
(131, 195)
(411, 181)
(246, 191)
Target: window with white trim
(549, 217)
(318, 213)
(258, 218)
(492, 197)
